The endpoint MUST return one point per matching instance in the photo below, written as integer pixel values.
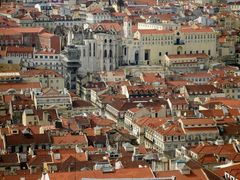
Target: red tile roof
(153, 77)
(198, 75)
(69, 139)
(233, 170)
(19, 86)
(197, 121)
(28, 29)
(41, 72)
(9, 159)
(46, 34)
(120, 173)
(178, 83)
(38, 160)
(197, 30)
(153, 31)
(195, 174)
(99, 121)
(71, 157)
(203, 89)
(9, 32)
(231, 103)
(20, 49)
(179, 56)
(17, 139)
(107, 26)
(151, 122)
(201, 129)
(226, 149)
(212, 113)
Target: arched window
(110, 53)
(105, 53)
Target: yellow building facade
(185, 40)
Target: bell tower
(127, 27)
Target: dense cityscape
(119, 89)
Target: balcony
(179, 42)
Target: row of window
(20, 54)
(184, 65)
(185, 52)
(188, 37)
(46, 81)
(45, 57)
(169, 42)
(47, 64)
(233, 90)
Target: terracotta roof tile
(153, 31)
(69, 139)
(195, 174)
(19, 86)
(38, 160)
(9, 159)
(197, 121)
(197, 30)
(20, 49)
(179, 56)
(17, 139)
(99, 121)
(40, 72)
(28, 29)
(121, 173)
(202, 89)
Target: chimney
(97, 131)
(45, 175)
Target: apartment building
(182, 63)
(47, 78)
(50, 98)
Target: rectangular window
(209, 52)
(90, 50)
(94, 49)
(147, 54)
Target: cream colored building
(39, 117)
(48, 78)
(185, 40)
(183, 63)
(50, 98)
(229, 85)
(113, 76)
(135, 113)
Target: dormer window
(14, 131)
